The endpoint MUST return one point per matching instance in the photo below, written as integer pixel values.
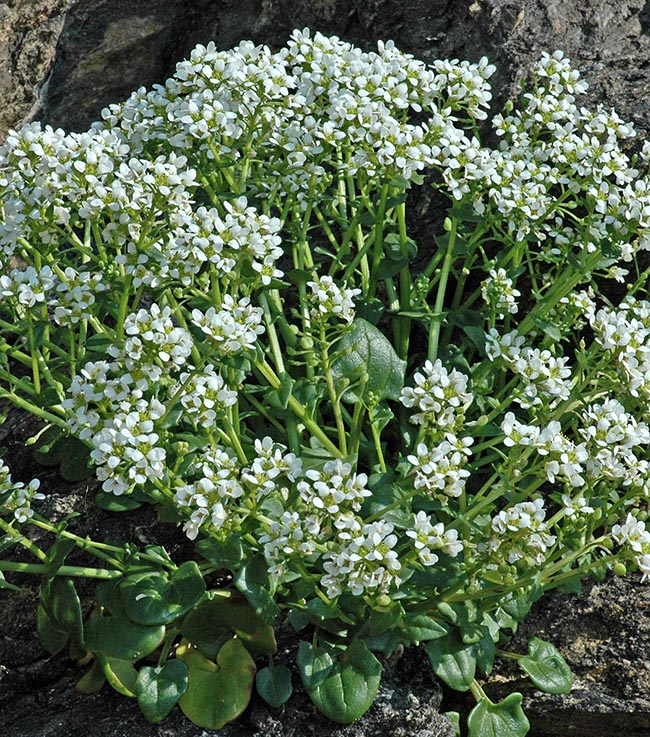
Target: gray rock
(604, 634)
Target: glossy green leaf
(161, 598)
(59, 618)
(546, 667)
(314, 665)
(218, 692)
(120, 674)
(453, 661)
(92, 681)
(226, 554)
(350, 685)
(274, 685)
(253, 581)
(213, 621)
(365, 357)
(505, 719)
(121, 638)
(76, 464)
(112, 503)
(421, 628)
(160, 689)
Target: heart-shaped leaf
(119, 637)
(120, 674)
(218, 692)
(160, 689)
(253, 581)
(365, 356)
(59, 618)
(213, 621)
(505, 719)
(350, 686)
(274, 685)
(160, 598)
(452, 660)
(546, 667)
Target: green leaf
(253, 581)
(159, 689)
(92, 681)
(213, 621)
(364, 353)
(76, 464)
(217, 693)
(119, 637)
(546, 667)
(550, 328)
(274, 685)
(453, 661)
(160, 598)
(421, 628)
(350, 686)
(314, 665)
(120, 674)
(225, 554)
(112, 503)
(505, 719)
(59, 618)
(384, 619)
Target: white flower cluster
(27, 288)
(16, 497)
(363, 560)
(233, 328)
(498, 292)
(299, 104)
(521, 533)
(426, 537)
(625, 334)
(546, 378)
(632, 534)
(566, 459)
(334, 489)
(440, 395)
(331, 300)
(205, 395)
(207, 497)
(440, 471)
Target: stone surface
(604, 634)
(63, 60)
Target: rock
(64, 60)
(604, 634)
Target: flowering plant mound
(215, 301)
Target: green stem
(436, 320)
(301, 413)
(73, 571)
(334, 399)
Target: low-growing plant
(372, 364)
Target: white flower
(234, 328)
(330, 300)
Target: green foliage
(161, 598)
(217, 693)
(160, 689)
(367, 363)
(505, 719)
(342, 684)
(274, 685)
(546, 667)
